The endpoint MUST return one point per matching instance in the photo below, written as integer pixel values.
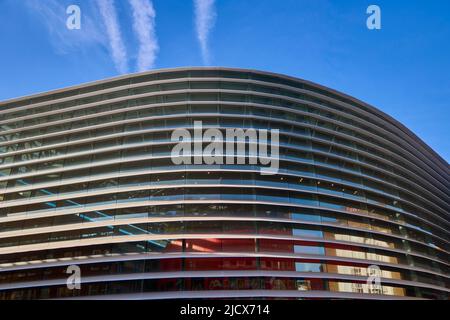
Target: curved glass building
(359, 207)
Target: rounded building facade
(358, 208)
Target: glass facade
(87, 179)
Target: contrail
(144, 27)
(205, 17)
(118, 50)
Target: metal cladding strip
(113, 190)
(116, 222)
(346, 160)
(288, 173)
(124, 147)
(209, 103)
(209, 294)
(65, 227)
(350, 172)
(244, 81)
(132, 221)
(183, 116)
(133, 133)
(135, 204)
(141, 158)
(113, 258)
(381, 118)
(80, 208)
(352, 141)
(155, 237)
(287, 109)
(297, 112)
(61, 182)
(114, 175)
(217, 274)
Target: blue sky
(403, 69)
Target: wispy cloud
(53, 14)
(144, 26)
(116, 44)
(205, 18)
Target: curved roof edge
(358, 102)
